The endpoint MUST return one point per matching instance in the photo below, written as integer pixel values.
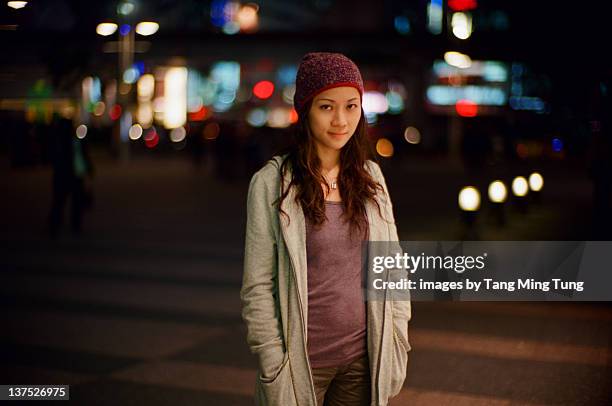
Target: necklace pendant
(334, 185)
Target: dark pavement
(143, 307)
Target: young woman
(319, 339)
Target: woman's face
(333, 117)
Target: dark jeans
(347, 385)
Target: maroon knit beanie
(319, 71)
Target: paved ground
(143, 307)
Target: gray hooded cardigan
(274, 296)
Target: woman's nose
(339, 119)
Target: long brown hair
(355, 183)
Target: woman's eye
(352, 106)
(325, 107)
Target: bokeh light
(375, 102)
(466, 108)
(497, 191)
(135, 132)
(520, 186)
(279, 117)
(131, 75)
(263, 89)
(457, 59)
(257, 117)
(147, 28)
(106, 29)
(175, 96)
(462, 5)
(99, 109)
(461, 24)
(178, 134)
(536, 182)
(125, 7)
(402, 25)
(17, 4)
(151, 137)
(384, 148)
(146, 87)
(412, 135)
(469, 199)
(81, 131)
(395, 102)
(124, 29)
(247, 17)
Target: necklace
(333, 182)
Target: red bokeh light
(263, 89)
(293, 116)
(522, 151)
(466, 108)
(151, 138)
(115, 112)
(462, 5)
(199, 115)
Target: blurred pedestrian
(308, 213)
(71, 169)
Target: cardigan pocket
(400, 329)
(399, 362)
(265, 379)
(278, 390)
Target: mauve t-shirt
(336, 305)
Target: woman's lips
(336, 134)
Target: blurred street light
(248, 17)
(128, 74)
(125, 7)
(536, 182)
(146, 87)
(461, 24)
(519, 186)
(147, 28)
(106, 29)
(457, 59)
(497, 191)
(469, 203)
(175, 96)
(469, 199)
(434, 16)
(497, 195)
(17, 4)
